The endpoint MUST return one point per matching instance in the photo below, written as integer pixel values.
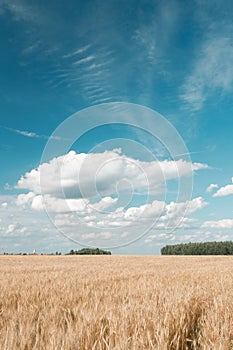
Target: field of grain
(116, 302)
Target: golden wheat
(116, 302)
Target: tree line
(89, 251)
(84, 251)
(203, 248)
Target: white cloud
(105, 203)
(224, 191)
(212, 70)
(176, 212)
(10, 228)
(88, 175)
(24, 199)
(157, 216)
(15, 229)
(58, 205)
(158, 236)
(86, 193)
(221, 224)
(165, 215)
(4, 204)
(62, 205)
(211, 187)
(146, 211)
(80, 220)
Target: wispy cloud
(21, 11)
(84, 60)
(102, 100)
(79, 51)
(153, 39)
(31, 134)
(95, 66)
(212, 71)
(31, 48)
(87, 70)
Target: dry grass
(116, 302)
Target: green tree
(89, 251)
(202, 248)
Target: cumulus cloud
(123, 225)
(211, 187)
(176, 212)
(89, 175)
(146, 211)
(221, 224)
(23, 199)
(58, 205)
(93, 197)
(105, 203)
(224, 191)
(62, 205)
(165, 215)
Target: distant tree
(89, 251)
(203, 248)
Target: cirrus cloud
(212, 71)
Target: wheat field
(116, 302)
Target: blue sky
(58, 58)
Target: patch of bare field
(116, 302)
